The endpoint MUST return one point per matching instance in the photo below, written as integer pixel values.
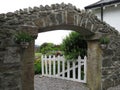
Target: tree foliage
(49, 48)
(74, 45)
(45, 47)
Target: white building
(108, 11)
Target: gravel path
(45, 83)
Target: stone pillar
(94, 62)
(27, 60)
(27, 64)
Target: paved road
(45, 83)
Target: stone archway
(42, 19)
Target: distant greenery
(49, 48)
(37, 54)
(74, 45)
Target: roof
(102, 3)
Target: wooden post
(73, 69)
(79, 68)
(54, 69)
(46, 65)
(50, 67)
(63, 68)
(85, 68)
(42, 58)
(58, 65)
(68, 68)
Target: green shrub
(37, 67)
(23, 37)
(104, 40)
(74, 45)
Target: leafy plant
(37, 67)
(23, 37)
(104, 40)
(73, 46)
(49, 48)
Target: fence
(58, 67)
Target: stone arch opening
(93, 48)
(63, 37)
(42, 19)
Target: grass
(38, 54)
(37, 63)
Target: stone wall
(111, 64)
(16, 64)
(57, 16)
(10, 63)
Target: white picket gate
(58, 67)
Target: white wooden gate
(58, 67)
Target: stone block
(107, 83)
(12, 55)
(10, 80)
(53, 19)
(10, 67)
(39, 23)
(114, 88)
(107, 63)
(59, 18)
(108, 52)
(70, 18)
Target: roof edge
(100, 5)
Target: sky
(55, 37)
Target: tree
(49, 48)
(46, 47)
(74, 45)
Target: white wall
(97, 12)
(111, 15)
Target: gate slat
(73, 69)
(63, 68)
(46, 65)
(58, 65)
(42, 65)
(50, 67)
(79, 68)
(68, 69)
(54, 69)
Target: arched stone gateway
(16, 64)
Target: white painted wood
(85, 68)
(42, 65)
(63, 68)
(46, 65)
(61, 74)
(67, 79)
(73, 69)
(58, 64)
(79, 68)
(50, 67)
(54, 65)
(68, 69)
